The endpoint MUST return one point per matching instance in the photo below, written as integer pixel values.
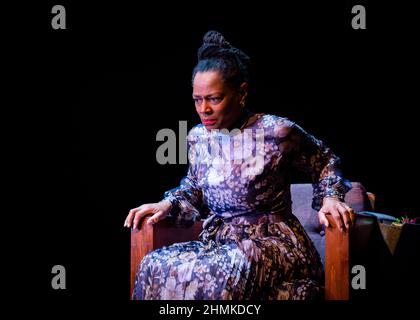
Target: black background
(100, 90)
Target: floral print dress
(251, 246)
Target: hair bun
(218, 54)
(215, 38)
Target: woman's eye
(216, 99)
(197, 101)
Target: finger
(345, 215)
(139, 215)
(352, 215)
(132, 214)
(323, 218)
(130, 217)
(155, 218)
(337, 218)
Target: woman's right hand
(158, 210)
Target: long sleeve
(187, 198)
(311, 156)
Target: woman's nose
(204, 107)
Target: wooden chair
(342, 250)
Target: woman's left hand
(339, 211)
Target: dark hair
(216, 54)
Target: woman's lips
(209, 122)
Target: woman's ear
(243, 91)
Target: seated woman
(251, 246)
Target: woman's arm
(313, 157)
(186, 200)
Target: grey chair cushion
(302, 209)
(319, 241)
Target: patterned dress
(251, 246)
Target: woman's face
(217, 104)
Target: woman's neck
(242, 120)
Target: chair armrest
(340, 247)
(379, 216)
(152, 237)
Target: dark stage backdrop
(120, 73)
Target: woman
(251, 246)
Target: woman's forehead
(208, 82)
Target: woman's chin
(211, 126)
